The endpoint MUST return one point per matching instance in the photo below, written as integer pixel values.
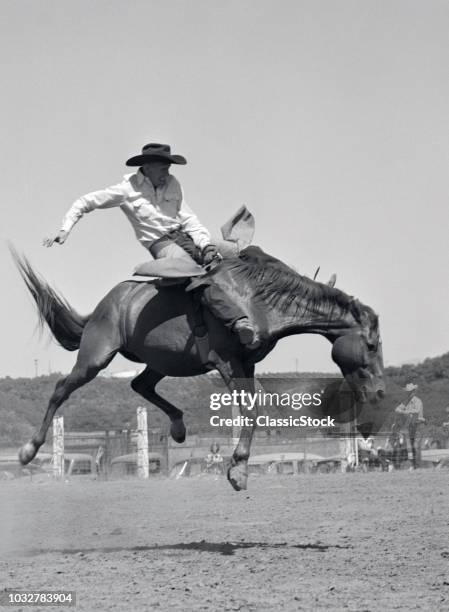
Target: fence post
(143, 469)
(166, 441)
(236, 429)
(107, 453)
(58, 447)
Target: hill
(109, 403)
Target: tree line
(109, 403)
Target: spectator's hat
(410, 386)
(156, 152)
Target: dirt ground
(365, 542)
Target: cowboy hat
(155, 151)
(410, 386)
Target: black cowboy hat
(155, 151)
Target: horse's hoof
(27, 453)
(178, 431)
(238, 477)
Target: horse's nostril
(381, 394)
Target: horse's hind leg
(145, 385)
(99, 344)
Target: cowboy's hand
(60, 238)
(210, 252)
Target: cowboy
(412, 414)
(413, 406)
(214, 460)
(366, 451)
(153, 201)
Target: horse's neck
(302, 317)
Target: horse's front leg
(243, 380)
(238, 471)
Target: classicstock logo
(279, 404)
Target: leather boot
(246, 332)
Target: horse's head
(358, 353)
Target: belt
(159, 244)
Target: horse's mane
(282, 287)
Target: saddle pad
(169, 267)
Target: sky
(328, 119)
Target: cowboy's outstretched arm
(104, 198)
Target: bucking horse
(153, 324)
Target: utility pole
(36, 368)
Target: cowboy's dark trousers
(221, 305)
(214, 297)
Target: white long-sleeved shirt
(152, 212)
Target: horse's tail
(64, 322)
